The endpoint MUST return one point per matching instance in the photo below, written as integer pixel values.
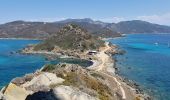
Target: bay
(146, 61)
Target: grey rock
(2, 97)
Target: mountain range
(42, 30)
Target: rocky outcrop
(64, 82)
(71, 93)
(61, 93)
(71, 37)
(59, 82)
(14, 92)
(20, 88)
(42, 81)
(2, 96)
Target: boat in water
(156, 43)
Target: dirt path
(104, 58)
(102, 68)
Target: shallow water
(146, 61)
(15, 65)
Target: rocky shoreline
(20, 39)
(111, 71)
(130, 83)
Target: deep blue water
(15, 65)
(147, 62)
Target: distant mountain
(134, 26)
(71, 37)
(42, 30)
(138, 26)
(22, 29)
(85, 20)
(88, 20)
(97, 29)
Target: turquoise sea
(147, 62)
(14, 64)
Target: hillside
(137, 26)
(95, 28)
(71, 37)
(22, 29)
(64, 82)
(42, 30)
(127, 27)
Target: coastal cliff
(70, 81)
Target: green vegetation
(81, 79)
(137, 98)
(41, 30)
(71, 37)
(97, 75)
(102, 90)
(77, 80)
(51, 67)
(48, 67)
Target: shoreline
(105, 69)
(105, 65)
(19, 39)
(111, 71)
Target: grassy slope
(71, 37)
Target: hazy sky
(157, 11)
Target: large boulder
(14, 92)
(42, 82)
(21, 80)
(71, 93)
(2, 96)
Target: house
(92, 52)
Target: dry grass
(97, 75)
(77, 80)
(48, 67)
(137, 98)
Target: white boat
(156, 43)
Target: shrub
(48, 67)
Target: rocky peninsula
(70, 81)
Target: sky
(155, 11)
